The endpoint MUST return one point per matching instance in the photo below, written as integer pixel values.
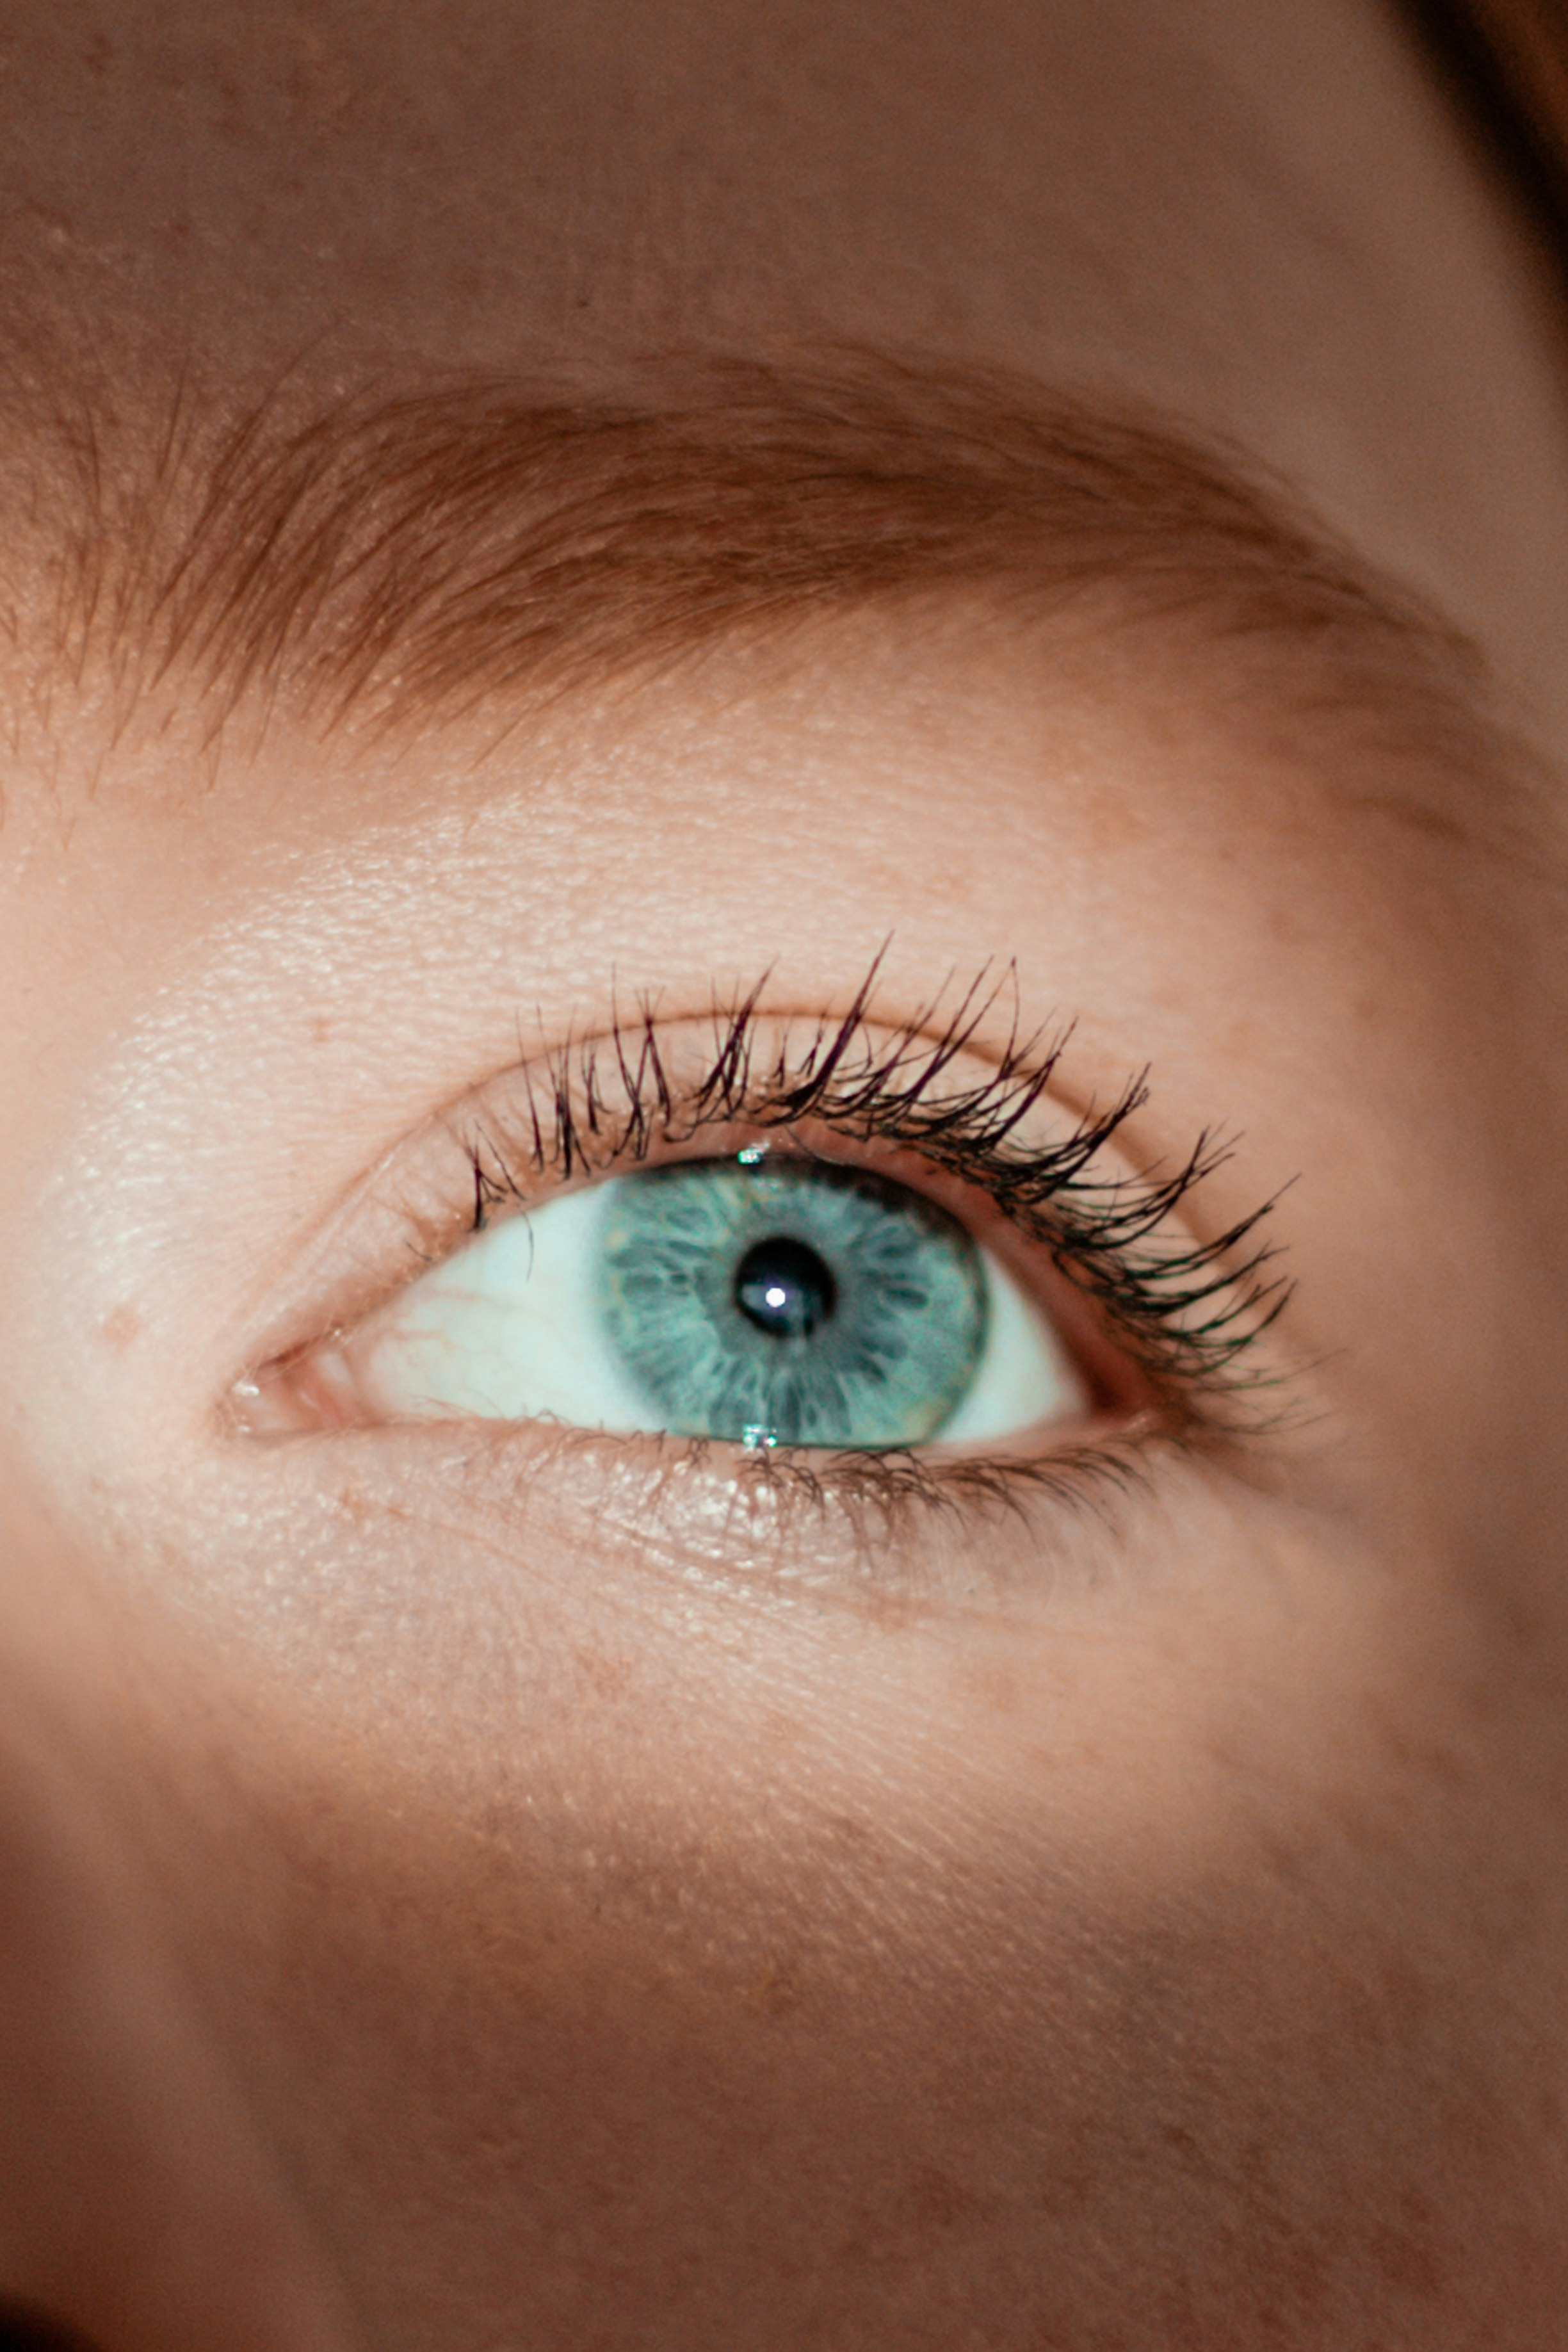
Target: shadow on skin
(23, 2330)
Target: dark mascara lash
(1188, 1310)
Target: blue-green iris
(794, 1302)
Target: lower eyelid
(923, 1530)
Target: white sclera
(509, 1329)
(1025, 1373)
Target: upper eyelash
(1188, 1311)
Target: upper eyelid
(919, 1051)
(482, 1111)
(575, 1136)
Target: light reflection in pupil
(784, 1288)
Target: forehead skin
(611, 1945)
(1256, 217)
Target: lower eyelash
(903, 1526)
(1188, 1312)
(885, 1493)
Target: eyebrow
(393, 556)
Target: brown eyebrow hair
(400, 554)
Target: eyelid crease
(1188, 1311)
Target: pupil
(784, 1288)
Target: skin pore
(478, 1887)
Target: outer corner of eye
(790, 1302)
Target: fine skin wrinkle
(973, 599)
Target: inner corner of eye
(759, 1300)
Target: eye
(765, 1300)
(819, 1279)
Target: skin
(459, 1905)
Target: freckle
(848, 1834)
(607, 1677)
(935, 2201)
(122, 1326)
(1116, 824)
(320, 1029)
(773, 1990)
(994, 1685)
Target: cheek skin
(137, 2199)
(1055, 1962)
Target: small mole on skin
(124, 1326)
(320, 1029)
